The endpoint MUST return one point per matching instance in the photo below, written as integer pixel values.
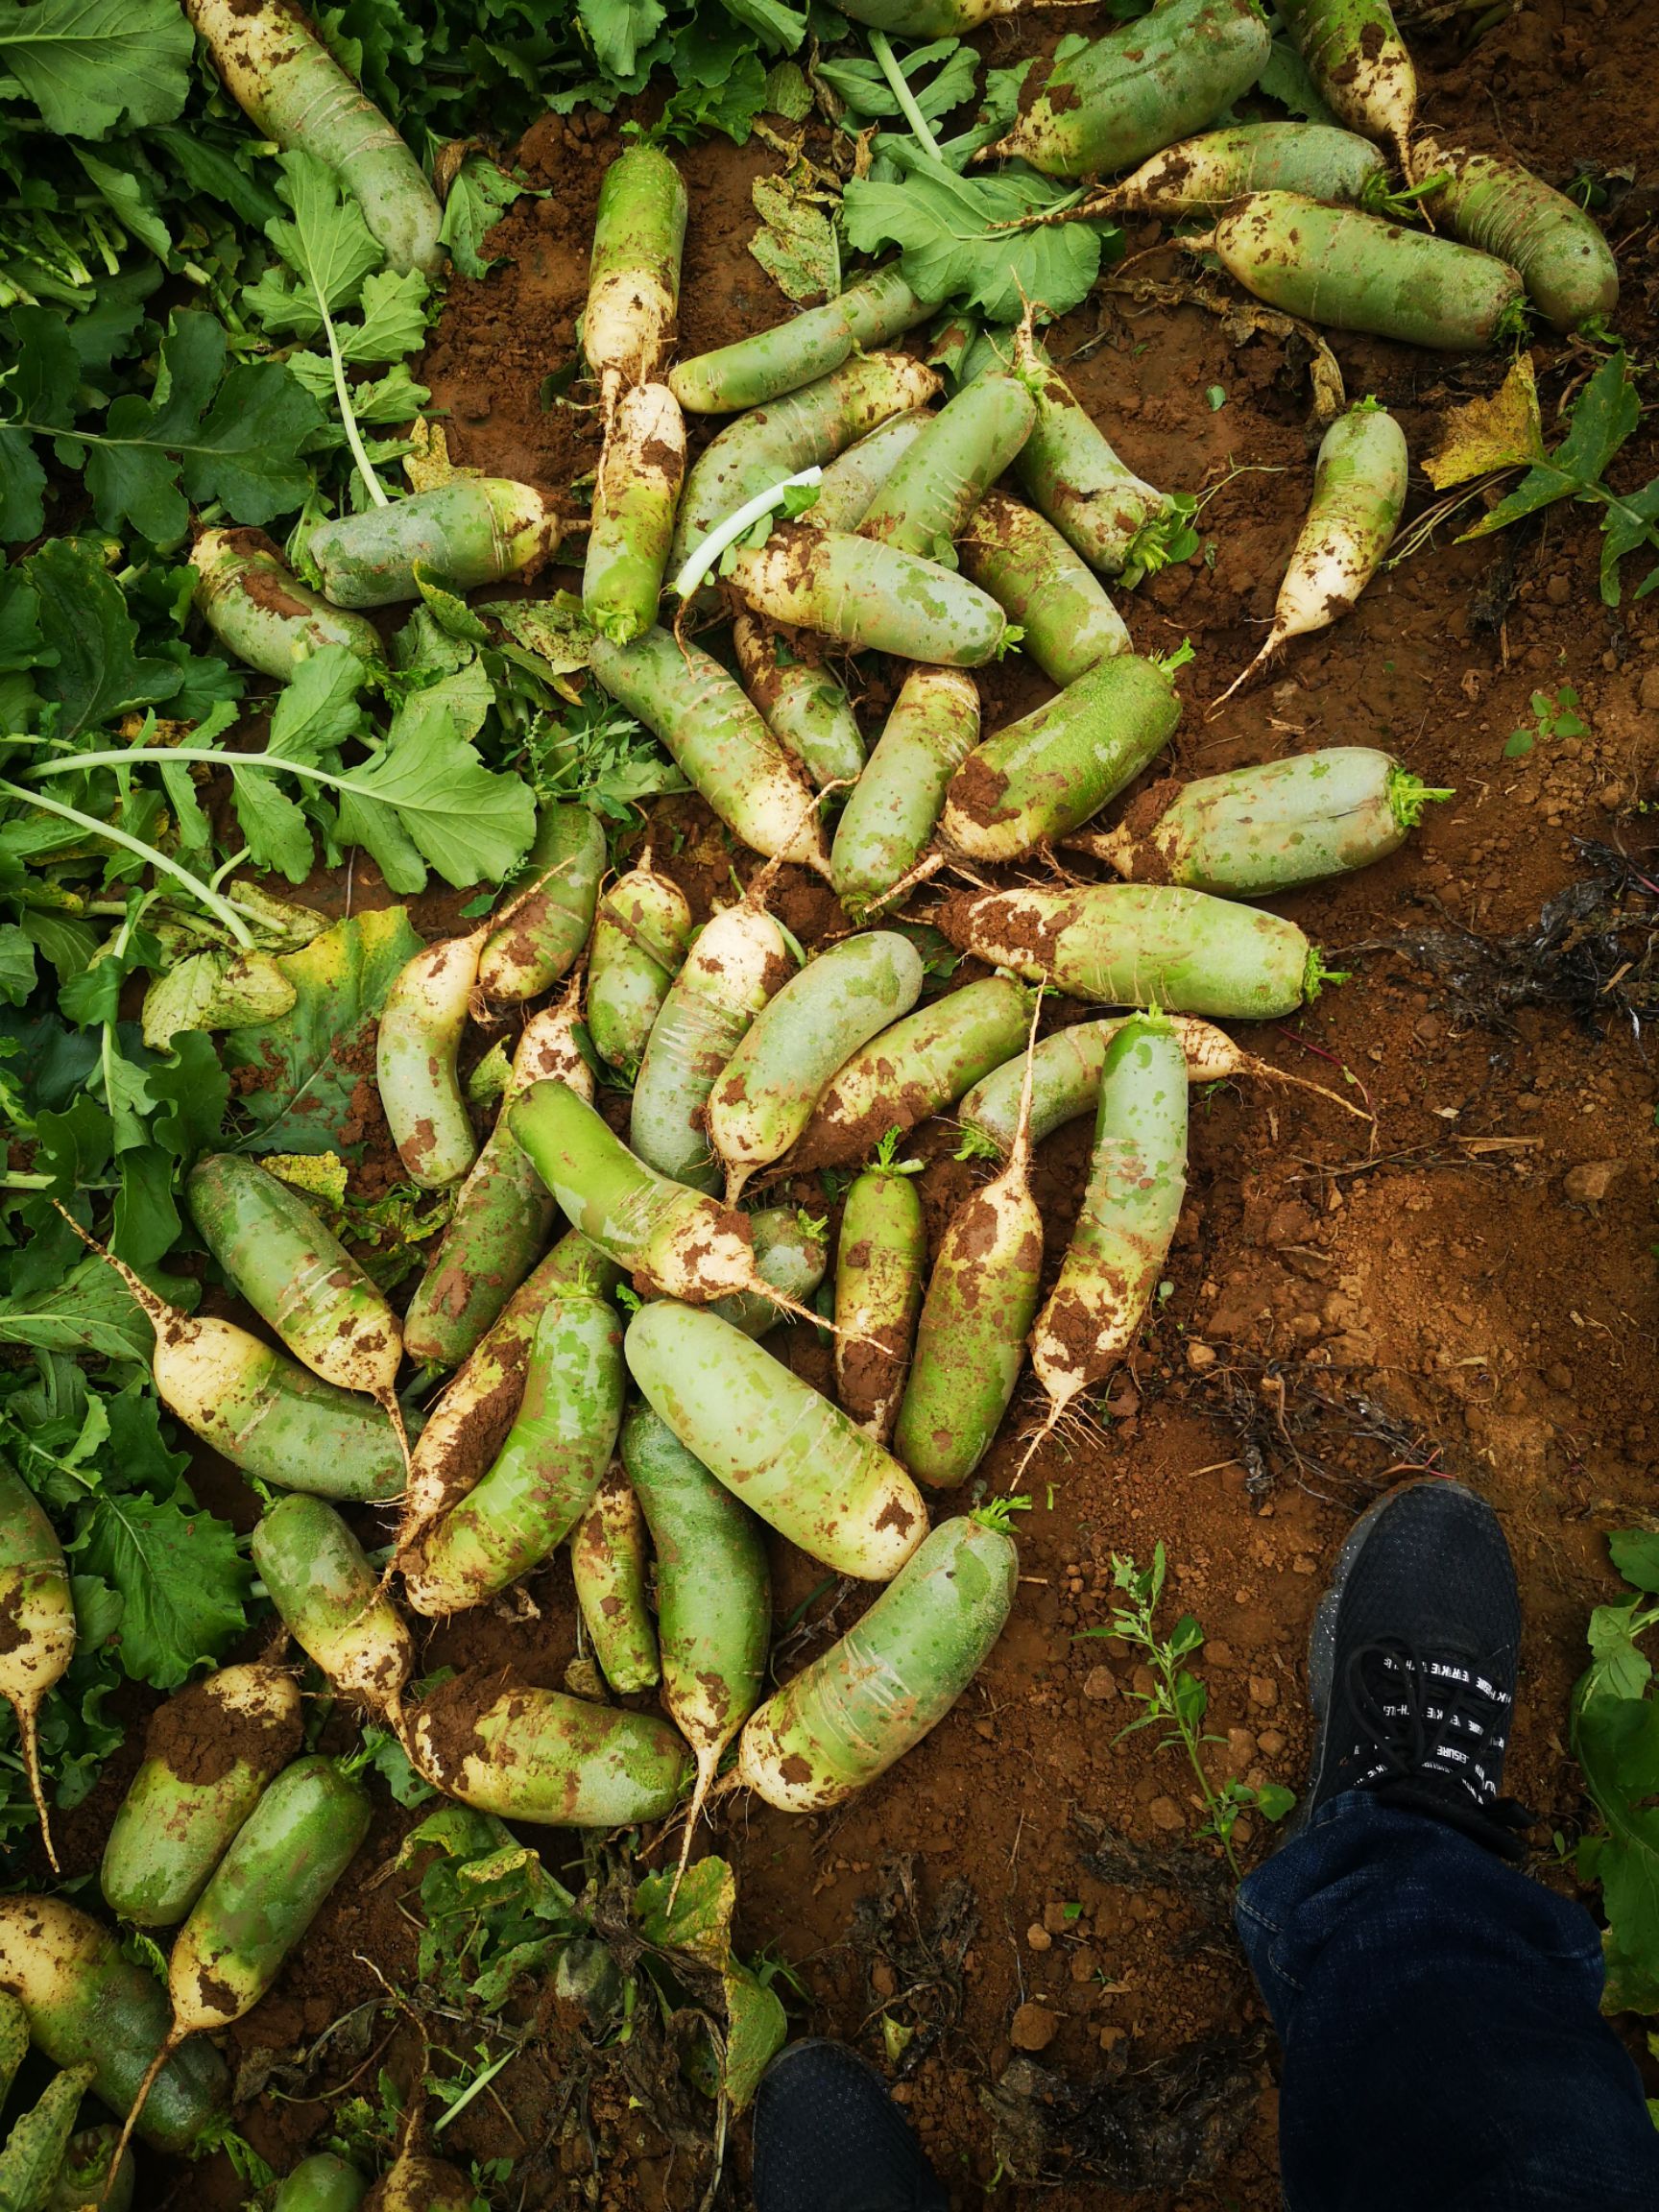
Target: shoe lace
(1417, 1712)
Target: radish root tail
(26, 1711)
(152, 2076)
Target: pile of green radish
(600, 1304)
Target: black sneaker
(829, 2138)
(1413, 1662)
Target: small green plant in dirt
(1178, 1700)
(1555, 715)
(1616, 1741)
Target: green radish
(1072, 475)
(1057, 765)
(886, 824)
(317, 1575)
(545, 1475)
(85, 2182)
(869, 595)
(545, 927)
(608, 1558)
(1066, 620)
(981, 1298)
(853, 479)
(295, 1274)
(676, 1241)
(1137, 1181)
(418, 2183)
(320, 2183)
(39, 1614)
(717, 738)
(503, 1214)
(209, 1753)
(633, 275)
(777, 1444)
(471, 530)
(422, 1025)
(791, 1252)
(1143, 944)
(636, 494)
(925, 503)
(933, 18)
(803, 431)
(1254, 832)
(713, 1595)
(537, 1756)
(895, 1674)
(1107, 104)
(263, 1411)
(880, 1259)
(468, 1425)
(1065, 1075)
(801, 702)
(764, 1097)
(917, 1067)
(801, 350)
(736, 964)
(1201, 176)
(89, 2005)
(264, 1894)
(254, 604)
(1360, 485)
(1567, 265)
(1351, 271)
(640, 935)
(292, 91)
(1359, 64)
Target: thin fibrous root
(135, 2111)
(1252, 668)
(1265, 1073)
(896, 894)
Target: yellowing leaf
(428, 463)
(318, 1174)
(1499, 431)
(796, 244)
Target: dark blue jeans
(1443, 2050)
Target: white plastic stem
(707, 550)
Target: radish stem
(901, 93)
(221, 908)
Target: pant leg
(1443, 2050)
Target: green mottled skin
(804, 707)
(1137, 1181)
(634, 272)
(268, 1888)
(803, 431)
(806, 347)
(295, 1273)
(1360, 66)
(254, 604)
(1568, 266)
(714, 1591)
(632, 527)
(1066, 1078)
(641, 934)
(1070, 473)
(926, 502)
(884, 827)
(853, 479)
(1141, 945)
(34, 1592)
(869, 595)
(792, 1254)
(919, 1066)
(1057, 765)
(1350, 271)
(775, 1443)
(607, 1565)
(87, 2006)
(717, 736)
(1200, 176)
(169, 1832)
(322, 2183)
(417, 1046)
(540, 939)
(1045, 586)
(930, 18)
(1123, 96)
(740, 960)
(764, 1097)
(318, 1578)
(82, 2179)
(472, 530)
(536, 1755)
(881, 1260)
(274, 1419)
(896, 1673)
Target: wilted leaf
(555, 630)
(796, 244)
(214, 991)
(1500, 430)
(700, 1927)
(427, 464)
